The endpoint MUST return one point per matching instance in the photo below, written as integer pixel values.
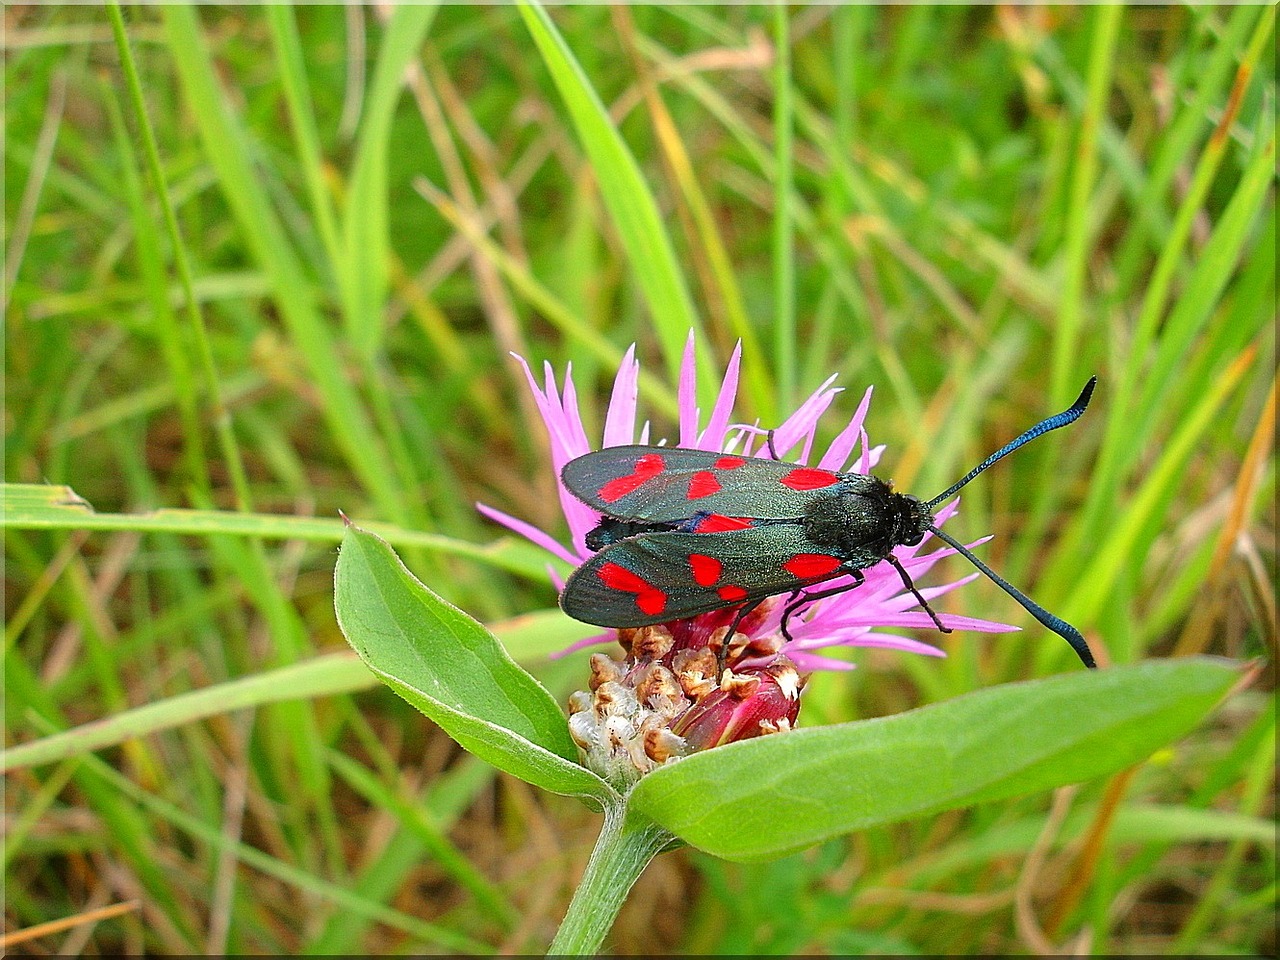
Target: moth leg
(906, 581)
(794, 599)
(799, 598)
(744, 611)
(768, 439)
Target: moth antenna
(1070, 415)
(1059, 626)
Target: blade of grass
(293, 752)
(224, 141)
(33, 808)
(135, 847)
(250, 856)
(155, 281)
(294, 747)
(1148, 230)
(363, 269)
(759, 392)
(448, 797)
(1067, 354)
(1112, 142)
(784, 266)
(657, 391)
(292, 72)
(41, 507)
(37, 174)
(629, 201)
(1257, 789)
(1223, 774)
(321, 676)
(1207, 282)
(1118, 445)
(1132, 418)
(1197, 631)
(416, 820)
(527, 638)
(833, 256)
(499, 311)
(1095, 582)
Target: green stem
(624, 848)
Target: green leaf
(454, 670)
(762, 798)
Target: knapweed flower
(678, 688)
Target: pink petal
(883, 581)
(557, 581)
(594, 641)
(572, 416)
(930, 592)
(744, 433)
(712, 438)
(837, 454)
(808, 445)
(809, 663)
(957, 622)
(687, 396)
(917, 620)
(568, 441)
(529, 532)
(946, 513)
(620, 418)
(869, 458)
(550, 416)
(891, 641)
(863, 637)
(805, 418)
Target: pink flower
(666, 692)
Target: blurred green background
(266, 264)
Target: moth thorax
(854, 521)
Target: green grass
(254, 276)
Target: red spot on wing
(703, 484)
(706, 570)
(651, 602)
(716, 523)
(732, 593)
(620, 578)
(807, 478)
(807, 565)
(650, 463)
(646, 468)
(649, 599)
(729, 463)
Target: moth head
(911, 519)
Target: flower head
(679, 688)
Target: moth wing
(672, 484)
(657, 577)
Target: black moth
(686, 532)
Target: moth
(685, 532)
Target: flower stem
(624, 848)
